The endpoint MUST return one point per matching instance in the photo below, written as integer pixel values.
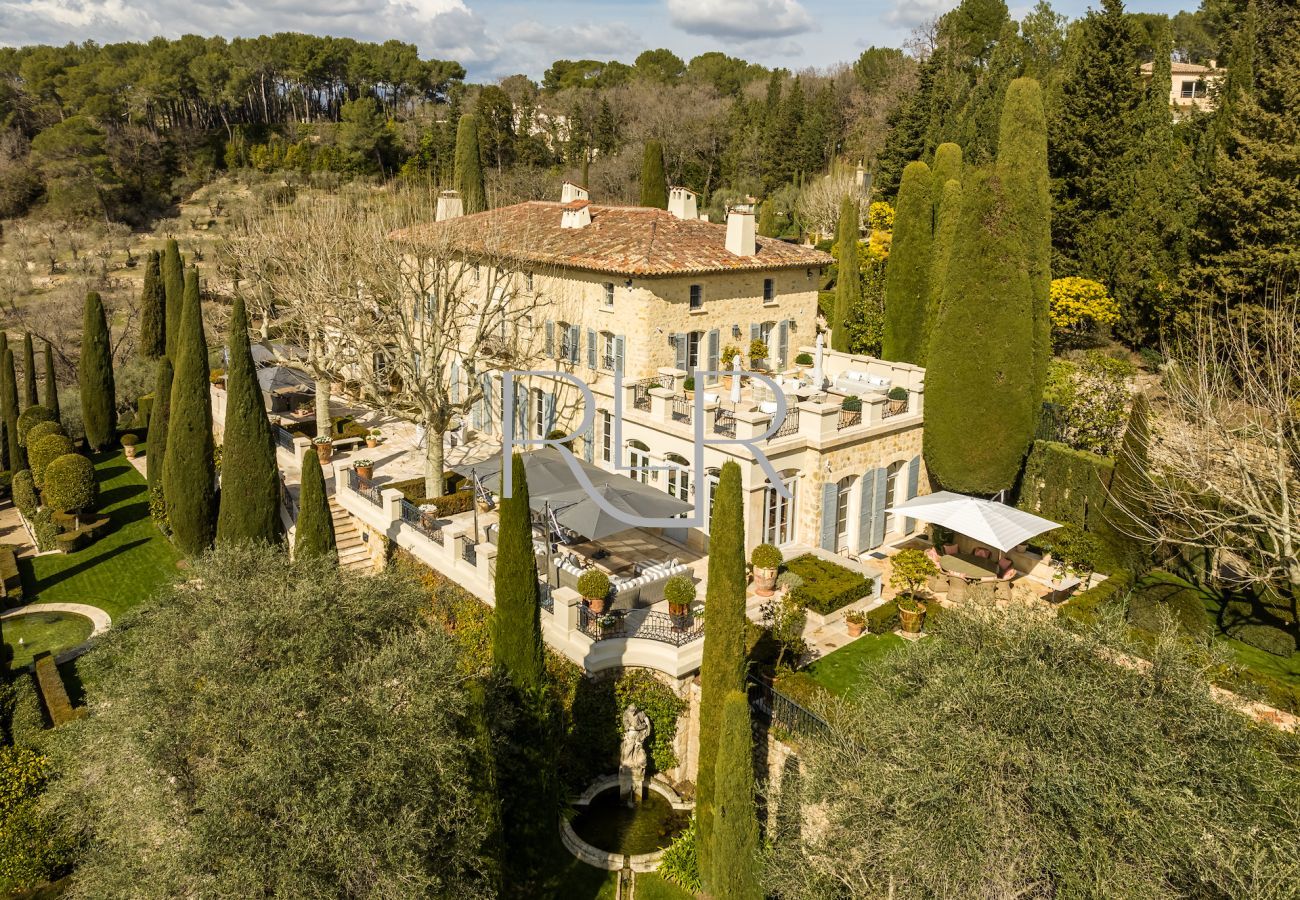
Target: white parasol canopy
(986, 521)
(818, 376)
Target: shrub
(1085, 606)
(765, 556)
(143, 407)
(689, 384)
(45, 529)
(129, 440)
(27, 722)
(593, 584)
(680, 863)
(789, 580)
(855, 618)
(70, 484)
(679, 591)
(71, 541)
(851, 404)
(54, 693)
(24, 492)
(827, 586)
(803, 359)
(897, 393)
(42, 429)
(32, 415)
(1153, 599)
(12, 580)
(758, 349)
(910, 569)
(45, 451)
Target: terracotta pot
(129, 450)
(366, 472)
(855, 628)
(324, 450)
(596, 604)
(372, 443)
(764, 581)
(911, 620)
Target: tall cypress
(153, 310)
(907, 273)
(51, 382)
(947, 167)
(1122, 523)
(517, 624)
(1022, 169)
(468, 176)
(159, 421)
(722, 669)
(945, 233)
(250, 484)
(848, 281)
(189, 470)
(172, 269)
(314, 532)
(30, 397)
(734, 858)
(767, 219)
(981, 404)
(14, 458)
(654, 184)
(95, 376)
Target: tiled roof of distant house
(1182, 68)
(622, 240)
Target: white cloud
(575, 41)
(910, 13)
(743, 19)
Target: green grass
(572, 878)
(124, 567)
(53, 631)
(839, 671)
(654, 887)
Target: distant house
(1192, 85)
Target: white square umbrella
(986, 521)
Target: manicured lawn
(121, 569)
(572, 878)
(38, 632)
(840, 671)
(653, 887)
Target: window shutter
(575, 343)
(455, 381)
(880, 475)
(712, 363)
(589, 446)
(521, 411)
(550, 338)
(620, 350)
(591, 349)
(755, 334)
(866, 504)
(679, 342)
(782, 342)
(830, 493)
(913, 476)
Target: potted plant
(856, 623)
(324, 448)
(804, 361)
(128, 445)
(758, 352)
(372, 439)
(729, 354)
(897, 400)
(909, 571)
(366, 468)
(766, 559)
(911, 613)
(593, 585)
(688, 387)
(679, 591)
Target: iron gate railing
(651, 626)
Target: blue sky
(494, 38)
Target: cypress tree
(30, 397)
(314, 537)
(654, 185)
(153, 310)
(468, 176)
(14, 459)
(722, 669)
(947, 167)
(767, 219)
(159, 422)
(172, 269)
(1122, 524)
(848, 281)
(945, 233)
(1022, 169)
(981, 403)
(189, 471)
(51, 383)
(907, 272)
(250, 485)
(95, 376)
(517, 624)
(735, 831)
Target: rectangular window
(607, 351)
(528, 281)
(697, 296)
(693, 350)
(606, 436)
(1189, 89)
(476, 273)
(609, 293)
(769, 290)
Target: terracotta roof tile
(625, 240)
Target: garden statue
(632, 759)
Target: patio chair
(934, 555)
(950, 549)
(1008, 574)
(938, 584)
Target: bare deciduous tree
(819, 203)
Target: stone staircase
(353, 552)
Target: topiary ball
(30, 416)
(41, 429)
(70, 485)
(593, 584)
(679, 591)
(43, 451)
(765, 556)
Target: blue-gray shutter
(712, 364)
(550, 338)
(913, 476)
(548, 413)
(830, 493)
(679, 346)
(589, 444)
(521, 410)
(591, 349)
(455, 381)
(782, 342)
(755, 334)
(620, 350)
(881, 476)
(575, 343)
(866, 511)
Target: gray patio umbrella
(546, 470)
(275, 378)
(578, 512)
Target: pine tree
(159, 421)
(51, 382)
(654, 184)
(907, 295)
(250, 484)
(14, 458)
(848, 281)
(172, 269)
(1022, 169)
(981, 402)
(516, 624)
(722, 669)
(947, 167)
(30, 397)
(945, 234)
(734, 859)
(468, 178)
(95, 376)
(314, 535)
(153, 310)
(189, 470)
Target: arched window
(679, 477)
(638, 458)
(711, 476)
(779, 512)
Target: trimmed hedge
(1084, 606)
(827, 586)
(883, 619)
(10, 577)
(42, 429)
(24, 492)
(70, 484)
(45, 450)
(45, 529)
(27, 722)
(1070, 486)
(54, 693)
(1151, 601)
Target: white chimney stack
(681, 203)
(450, 206)
(740, 231)
(577, 214)
(570, 192)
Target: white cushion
(767, 406)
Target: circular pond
(608, 824)
(29, 633)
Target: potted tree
(372, 439)
(324, 448)
(366, 468)
(128, 445)
(758, 352)
(766, 559)
(804, 361)
(910, 569)
(593, 585)
(688, 387)
(856, 623)
(897, 400)
(679, 591)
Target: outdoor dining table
(968, 566)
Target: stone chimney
(740, 231)
(681, 203)
(570, 192)
(577, 214)
(450, 206)
(1213, 63)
